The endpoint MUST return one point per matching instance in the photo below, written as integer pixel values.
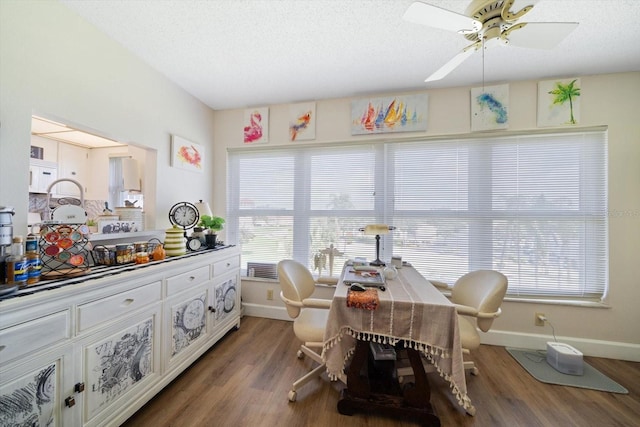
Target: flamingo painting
(256, 125)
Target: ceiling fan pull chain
(483, 64)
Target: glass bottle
(34, 264)
(17, 268)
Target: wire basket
(64, 244)
(64, 250)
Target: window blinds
(531, 206)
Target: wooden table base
(372, 386)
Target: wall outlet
(538, 320)
(269, 294)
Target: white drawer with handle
(117, 306)
(185, 281)
(226, 265)
(26, 338)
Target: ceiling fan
(488, 22)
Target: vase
(210, 240)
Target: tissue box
(564, 358)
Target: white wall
(54, 63)
(610, 100)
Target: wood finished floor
(244, 380)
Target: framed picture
(559, 102)
(389, 114)
(489, 108)
(109, 226)
(37, 152)
(302, 121)
(186, 154)
(256, 125)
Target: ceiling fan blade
(538, 35)
(454, 62)
(433, 16)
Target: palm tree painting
(558, 102)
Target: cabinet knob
(70, 401)
(79, 388)
(211, 309)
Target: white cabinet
(73, 163)
(101, 348)
(187, 320)
(120, 362)
(40, 391)
(41, 175)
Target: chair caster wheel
(292, 396)
(300, 354)
(475, 371)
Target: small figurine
(332, 252)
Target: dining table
(408, 314)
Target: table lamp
(203, 208)
(377, 230)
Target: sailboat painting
(389, 114)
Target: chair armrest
(290, 301)
(465, 310)
(327, 280)
(316, 303)
(439, 285)
(490, 315)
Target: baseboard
(588, 347)
(266, 311)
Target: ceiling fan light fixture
(488, 22)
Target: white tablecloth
(411, 309)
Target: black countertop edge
(97, 272)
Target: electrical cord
(553, 330)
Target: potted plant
(93, 225)
(213, 224)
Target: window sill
(566, 302)
(551, 301)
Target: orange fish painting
(190, 155)
(302, 121)
(299, 125)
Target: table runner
(411, 309)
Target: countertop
(96, 272)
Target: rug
(535, 362)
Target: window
(531, 206)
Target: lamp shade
(377, 229)
(203, 208)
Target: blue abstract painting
(490, 107)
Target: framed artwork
(256, 125)
(186, 154)
(108, 226)
(489, 108)
(389, 114)
(37, 152)
(302, 121)
(559, 102)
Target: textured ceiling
(241, 53)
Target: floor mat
(535, 362)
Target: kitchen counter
(104, 343)
(97, 272)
